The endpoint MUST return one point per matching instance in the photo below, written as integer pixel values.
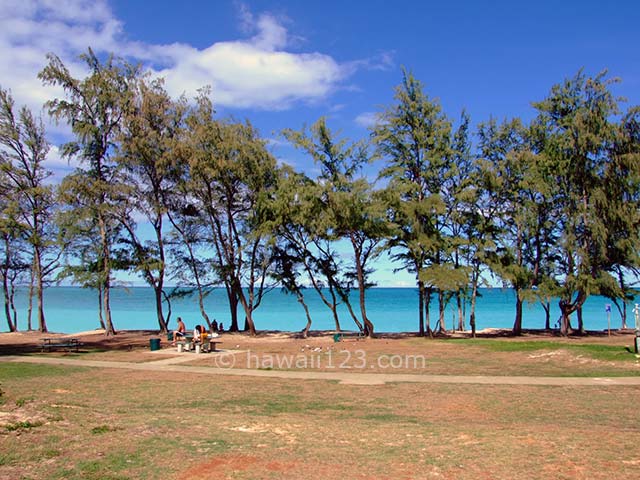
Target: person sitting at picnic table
(179, 332)
(199, 333)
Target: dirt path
(348, 378)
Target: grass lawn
(581, 357)
(81, 423)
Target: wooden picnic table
(66, 343)
(340, 336)
(209, 344)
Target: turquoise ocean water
(73, 309)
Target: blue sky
(283, 64)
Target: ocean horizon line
(392, 309)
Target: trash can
(170, 336)
(154, 344)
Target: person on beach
(179, 332)
(199, 333)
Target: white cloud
(256, 72)
(246, 75)
(278, 142)
(253, 73)
(58, 166)
(29, 29)
(367, 119)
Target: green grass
(165, 426)
(22, 426)
(11, 371)
(596, 351)
(21, 402)
(103, 429)
(116, 465)
(390, 418)
(271, 405)
(9, 458)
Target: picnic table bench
(66, 343)
(209, 344)
(340, 336)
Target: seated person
(179, 332)
(199, 334)
(221, 329)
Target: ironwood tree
(23, 151)
(94, 107)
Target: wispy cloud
(29, 29)
(367, 119)
(259, 71)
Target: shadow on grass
(92, 343)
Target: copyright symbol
(224, 360)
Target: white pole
(636, 312)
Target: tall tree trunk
(472, 314)
(159, 280)
(31, 294)
(233, 307)
(42, 324)
(334, 311)
(106, 272)
(427, 310)
(441, 307)
(580, 322)
(474, 295)
(368, 325)
(547, 315)
(305, 330)
(106, 306)
(7, 304)
(249, 324)
(517, 324)
(203, 312)
(565, 317)
(421, 294)
(168, 316)
(100, 304)
(460, 313)
(162, 323)
(12, 294)
(5, 284)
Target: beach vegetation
(352, 210)
(93, 195)
(414, 137)
(148, 145)
(593, 350)
(258, 427)
(231, 178)
(28, 204)
(549, 207)
(593, 159)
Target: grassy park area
(79, 422)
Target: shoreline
(71, 309)
(492, 332)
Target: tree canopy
(549, 207)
